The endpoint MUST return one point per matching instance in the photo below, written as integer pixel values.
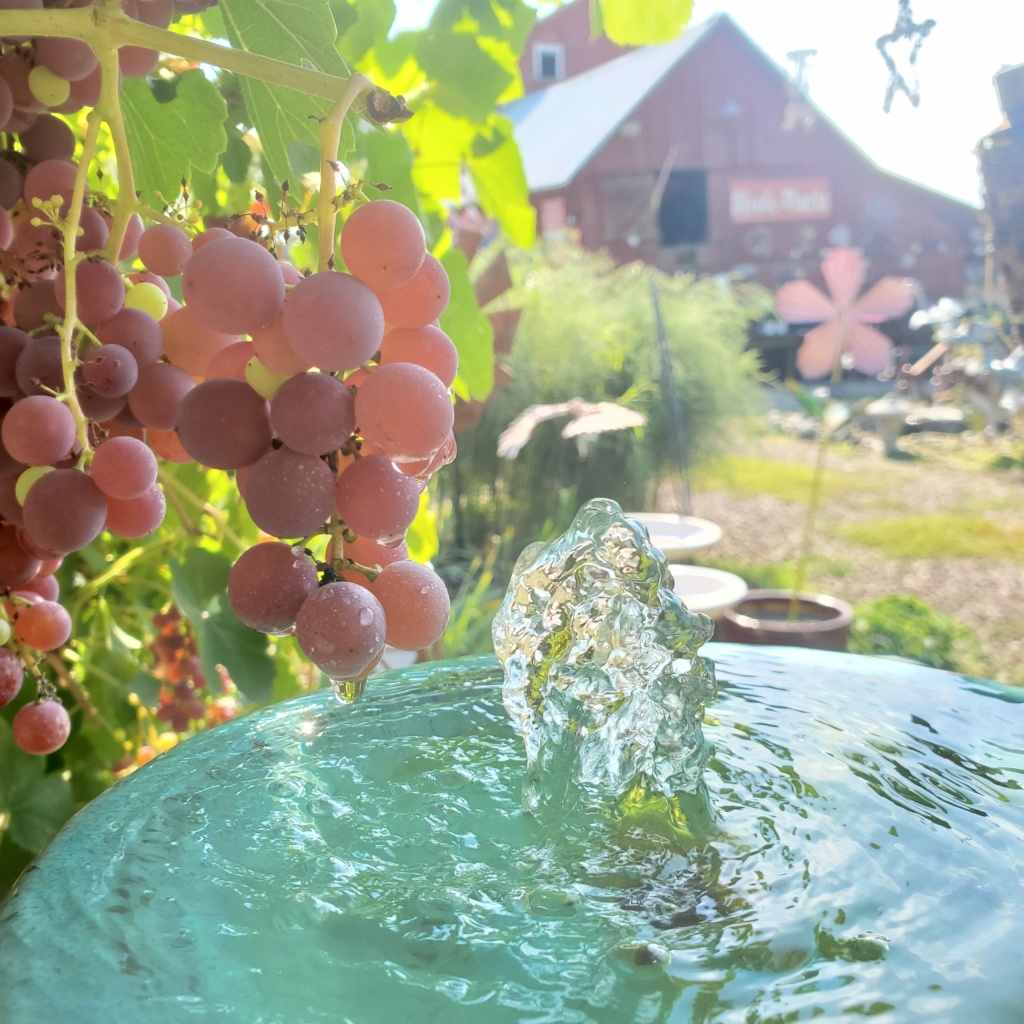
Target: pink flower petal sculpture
(843, 318)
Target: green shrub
(588, 331)
(908, 627)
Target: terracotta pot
(762, 617)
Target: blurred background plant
(588, 331)
(901, 625)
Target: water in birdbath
(855, 846)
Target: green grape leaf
(508, 21)
(199, 584)
(392, 64)
(34, 803)
(223, 639)
(361, 24)
(422, 539)
(500, 183)
(470, 50)
(389, 162)
(469, 329)
(443, 145)
(629, 23)
(168, 140)
(469, 80)
(299, 32)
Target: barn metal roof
(559, 128)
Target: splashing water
(602, 676)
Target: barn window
(683, 214)
(548, 62)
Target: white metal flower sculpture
(843, 317)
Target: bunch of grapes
(327, 394)
(358, 378)
(185, 702)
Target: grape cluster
(359, 417)
(326, 394)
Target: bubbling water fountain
(602, 675)
(374, 862)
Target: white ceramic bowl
(678, 537)
(711, 591)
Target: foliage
(907, 627)
(212, 137)
(588, 331)
(776, 575)
(945, 534)
(743, 475)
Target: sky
(932, 143)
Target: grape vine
(138, 333)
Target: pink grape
(164, 249)
(230, 361)
(64, 511)
(13, 342)
(94, 231)
(96, 407)
(70, 59)
(368, 552)
(269, 583)
(12, 674)
(422, 300)
(38, 367)
(415, 602)
(404, 410)
(46, 587)
(271, 347)
(158, 394)
(49, 138)
(38, 430)
(41, 728)
(333, 320)
(289, 494)
(109, 370)
(123, 467)
(33, 302)
(138, 516)
(375, 500)
(382, 244)
(189, 343)
(100, 290)
(313, 413)
(132, 234)
(45, 625)
(224, 424)
(17, 566)
(340, 628)
(428, 347)
(48, 179)
(136, 331)
(232, 285)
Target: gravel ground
(980, 593)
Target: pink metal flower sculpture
(843, 318)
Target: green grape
(147, 297)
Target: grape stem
(68, 353)
(173, 484)
(330, 141)
(105, 27)
(68, 681)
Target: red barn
(701, 155)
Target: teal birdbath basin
(372, 863)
